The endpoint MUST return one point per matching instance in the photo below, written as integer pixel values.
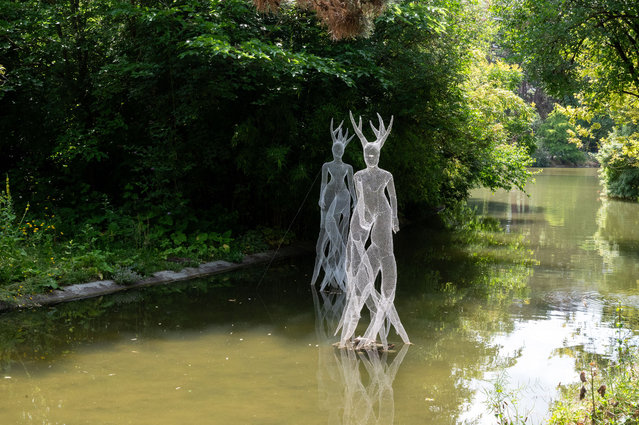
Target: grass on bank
(41, 252)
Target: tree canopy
(168, 128)
(208, 108)
(586, 52)
(575, 45)
(343, 18)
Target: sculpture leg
(384, 302)
(342, 216)
(388, 292)
(356, 298)
(359, 275)
(334, 239)
(320, 254)
(340, 271)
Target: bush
(620, 168)
(553, 145)
(13, 257)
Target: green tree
(575, 45)
(554, 147)
(208, 113)
(589, 49)
(501, 121)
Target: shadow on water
(246, 298)
(437, 301)
(450, 298)
(44, 334)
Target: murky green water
(250, 348)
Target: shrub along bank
(39, 254)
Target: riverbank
(47, 254)
(165, 277)
(607, 393)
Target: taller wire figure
(369, 250)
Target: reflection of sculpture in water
(373, 403)
(348, 397)
(335, 204)
(369, 250)
(330, 388)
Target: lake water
(255, 347)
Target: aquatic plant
(503, 403)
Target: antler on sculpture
(381, 133)
(335, 131)
(358, 129)
(338, 135)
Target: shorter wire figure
(337, 196)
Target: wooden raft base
(353, 345)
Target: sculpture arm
(390, 187)
(359, 205)
(323, 186)
(351, 186)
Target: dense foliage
(588, 53)
(208, 104)
(344, 19)
(155, 122)
(500, 120)
(553, 144)
(575, 45)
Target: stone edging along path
(104, 287)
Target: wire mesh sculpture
(335, 204)
(369, 250)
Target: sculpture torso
(372, 194)
(336, 189)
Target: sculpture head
(338, 150)
(340, 140)
(371, 155)
(372, 149)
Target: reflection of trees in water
(460, 300)
(354, 387)
(455, 352)
(493, 267)
(617, 242)
(557, 216)
(42, 335)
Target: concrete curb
(104, 287)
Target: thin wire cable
(287, 230)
